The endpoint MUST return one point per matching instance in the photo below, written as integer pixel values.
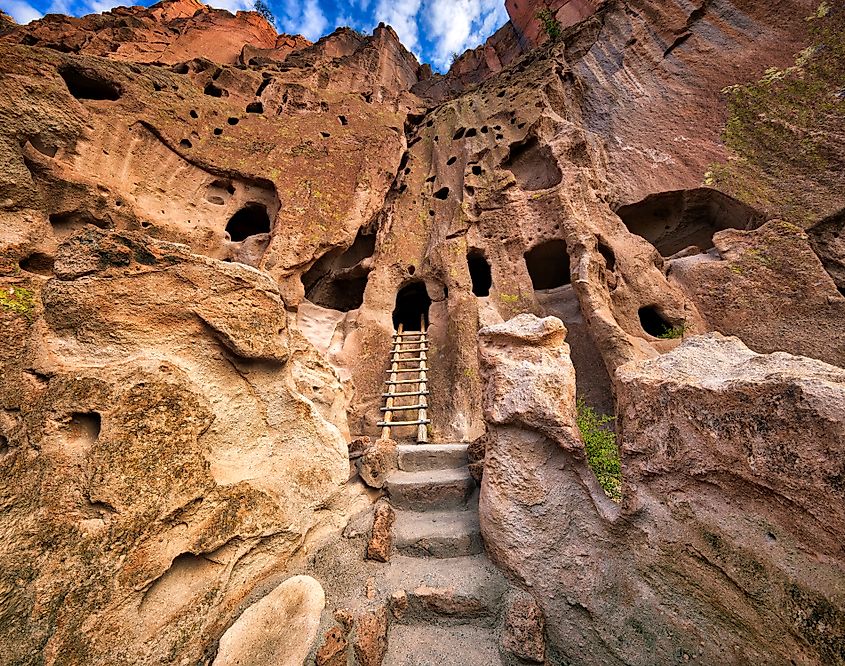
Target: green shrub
(551, 26)
(673, 333)
(19, 300)
(601, 448)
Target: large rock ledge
(732, 514)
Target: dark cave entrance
(653, 322)
(674, 221)
(479, 272)
(548, 265)
(250, 220)
(412, 303)
(88, 84)
(339, 278)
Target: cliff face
(207, 229)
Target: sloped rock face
(717, 441)
(205, 229)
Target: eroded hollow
(479, 272)
(250, 220)
(412, 303)
(38, 263)
(84, 426)
(533, 165)
(653, 322)
(88, 84)
(339, 278)
(548, 265)
(673, 221)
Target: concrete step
(419, 457)
(430, 490)
(459, 645)
(437, 533)
(458, 590)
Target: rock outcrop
(726, 457)
(209, 233)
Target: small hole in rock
(479, 272)
(548, 265)
(88, 84)
(255, 107)
(771, 537)
(442, 193)
(653, 322)
(412, 269)
(476, 170)
(459, 134)
(185, 143)
(451, 161)
(470, 133)
(38, 263)
(325, 135)
(215, 91)
(194, 114)
(609, 256)
(218, 131)
(85, 426)
(250, 220)
(343, 121)
(233, 121)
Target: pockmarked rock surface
(279, 629)
(210, 231)
(716, 442)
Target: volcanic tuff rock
(205, 228)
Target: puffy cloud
(303, 18)
(21, 11)
(403, 16)
(231, 5)
(457, 25)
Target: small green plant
(601, 448)
(673, 333)
(551, 26)
(19, 300)
(264, 9)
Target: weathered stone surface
(378, 462)
(758, 284)
(370, 637)
(476, 452)
(279, 629)
(359, 446)
(530, 379)
(333, 650)
(523, 632)
(381, 538)
(705, 427)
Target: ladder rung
(407, 381)
(395, 424)
(408, 351)
(404, 395)
(406, 371)
(413, 358)
(417, 337)
(401, 408)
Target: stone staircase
(446, 597)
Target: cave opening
(609, 256)
(653, 322)
(548, 265)
(533, 165)
(88, 84)
(674, 221)
(412, 303)
(479, 272)
(338, 279)
(250, 220)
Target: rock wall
(722, 550)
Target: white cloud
(306, 19)
(457, 25)
(230, 5)
(402, 15)
(21, 11)
(100, 6)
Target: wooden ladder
(416, 343)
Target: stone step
(437, 533)
(457, 645)
(419, 457)
(430, 490)
(457, 590)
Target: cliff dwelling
(343, 349)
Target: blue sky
(432, 29)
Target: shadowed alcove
(673, 221)
(479, 272)
(339, 278)
(548, 265)
(412, 303)
(250, 220)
